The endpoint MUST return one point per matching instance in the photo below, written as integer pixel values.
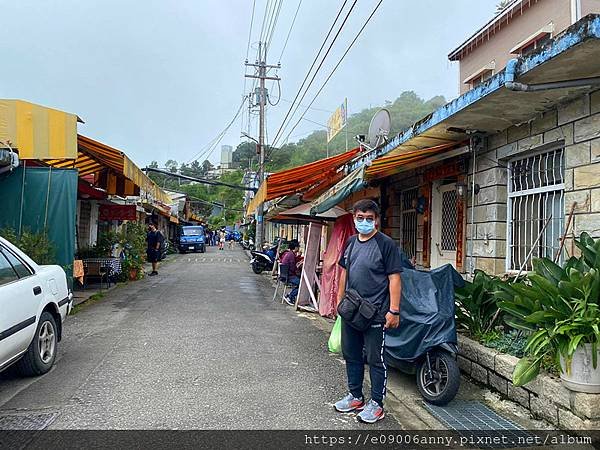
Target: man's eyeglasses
(362, 219)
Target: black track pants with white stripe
(373, 341)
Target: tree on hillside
(207, 167)
(502, 6)
(404, 111)
(243, 153)
(205, 196)
(171, 165)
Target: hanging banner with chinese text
(337, 121)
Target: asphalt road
(201, 346)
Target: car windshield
(193, 231)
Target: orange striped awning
(390, 165)
(303, 177)
(309, 179)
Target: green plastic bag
(335, 340)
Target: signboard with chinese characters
(337, 121)
(117, 212)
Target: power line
(316, 123)
(336, 66)
(320, 65)
(290, 30)
(275, 19)
(199, 180)
(250, 32)
(215, 141)
(310, 70)
(314, 109)
(279, 95)
(267, 14)
(219, 205)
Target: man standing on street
(371, 267)
(153, 250)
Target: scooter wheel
(257, 269)
(441, 385)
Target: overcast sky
(160, 79)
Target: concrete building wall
(520, 27)
(589, 7)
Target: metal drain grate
(471, 418)
(28, 422)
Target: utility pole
(261, 66)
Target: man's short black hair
(366, 205)
(292, 245)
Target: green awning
(338, 193)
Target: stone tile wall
(545, 397)
(575, 125)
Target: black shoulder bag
(356, 311)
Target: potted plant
(559, 307)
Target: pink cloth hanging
(342, 230)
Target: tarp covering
(342, 230)
(426, 313)
(345, 188)
(38, 198)
(302, 212)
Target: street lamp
(247, 136)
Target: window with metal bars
(535, 201)
(408, 232)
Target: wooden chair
(98, 271)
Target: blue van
(192, 239)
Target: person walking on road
(153, 239)
(221, 239)
(371, 268)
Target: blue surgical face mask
(364, 227)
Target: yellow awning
(259, 198)
(114, 168)
(38, 132)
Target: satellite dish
(379, 128)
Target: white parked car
(34, 302)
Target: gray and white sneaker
(349, 403)
(289, 301)
(372, 412)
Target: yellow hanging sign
(337, 121)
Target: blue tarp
(426, 313)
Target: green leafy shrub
(105, 242)
(35, 245)
(132, 239)
(477, 311)
(558, 307)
